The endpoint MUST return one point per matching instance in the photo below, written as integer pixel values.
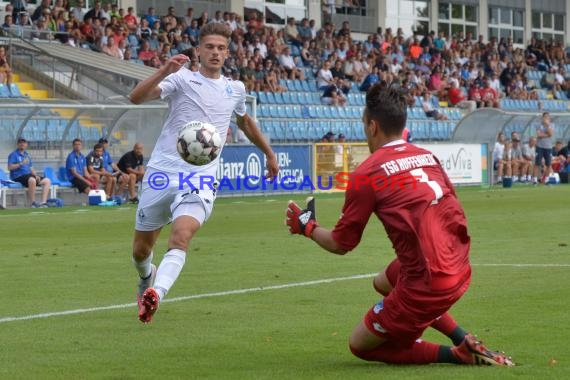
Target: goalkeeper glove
(301, 221)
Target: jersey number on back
(422, 176)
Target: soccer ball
(199, 143)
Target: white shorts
(159, 206)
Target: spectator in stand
(5, 69)
(218, 18)
(203, 19)
(287, 62)
(38, 12)
(457, 99)
(548, 80)
(23, 172)
(292, 33)
(475, 94)
(112, 49)
(333, 95)
(429, 110)
(151, 16)
(145, 54)
(131, 20)
(338, 73)
(489, 96)
(189, 16)
(193, 32)
(324, 76)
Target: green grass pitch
(67, 259)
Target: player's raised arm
(148, 89)
(252, 132)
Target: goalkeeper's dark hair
(387, 105)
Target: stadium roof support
(484, 124)
(51, 125)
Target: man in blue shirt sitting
(22, 171)
(76, 167)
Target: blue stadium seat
(320, 113)
(305, 86)
(281, 112)
(273, 111)
(50, 174)
(288, 111)
(15, 91)
(297, 112)
(328, 112)
(263, 110)
(4, 92)
(290, 85)
(302, 98)
(294, 98)
(334, 112)
(312, 110)
(270, 97)
(298, 85)
(286, 97)
(6, 182)
(313, 85)
(315, 98)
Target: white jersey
(192, 96)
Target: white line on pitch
(244, 291)
(185, 298)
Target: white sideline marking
(244, 291)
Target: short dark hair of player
(98, 146)
(387, 105)
(545, 114)
(217, 29)
(75, 140)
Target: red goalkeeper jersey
(412, 196)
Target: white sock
(168, 271)
(143, 267)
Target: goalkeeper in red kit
(407, 189)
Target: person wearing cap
(22, 171)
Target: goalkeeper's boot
(148, 305)
(472, 351)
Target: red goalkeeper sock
(447, 326)
(420, 353)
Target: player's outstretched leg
(183, 229)
(142, 261)
(368, 346)
(473, 351)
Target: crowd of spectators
(462, 70)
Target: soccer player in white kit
(205, 96)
